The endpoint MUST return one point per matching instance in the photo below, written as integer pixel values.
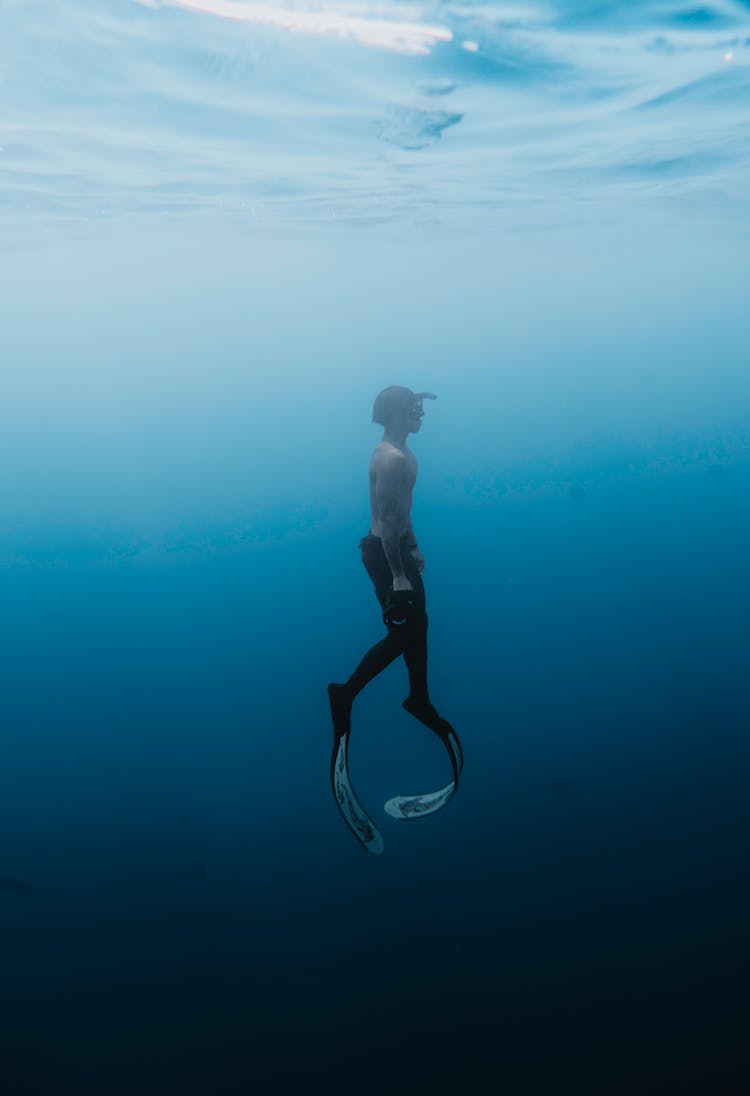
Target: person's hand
(401, 583)
(418, 558)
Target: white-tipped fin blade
(355, 816)
(418, 806)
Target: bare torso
(393, 473)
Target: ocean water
(225, 226)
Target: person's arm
(413, 548)
(391, 493)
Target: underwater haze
(225, 226)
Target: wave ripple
(308, 112)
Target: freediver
(394, 564)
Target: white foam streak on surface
(276, 114)
(407, 38)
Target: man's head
(398, 408)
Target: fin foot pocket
(341, 708)
(427, 803)
(429, 716)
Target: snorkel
(397, 405)
(416, 411)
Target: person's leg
(377, 659)
(381, 654)
(414, 634)
(408, 638)
(418, 703)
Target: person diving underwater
(394, 564)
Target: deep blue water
(221, 237)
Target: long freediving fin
(354, 814)
(426, 803)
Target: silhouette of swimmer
(395, 564)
